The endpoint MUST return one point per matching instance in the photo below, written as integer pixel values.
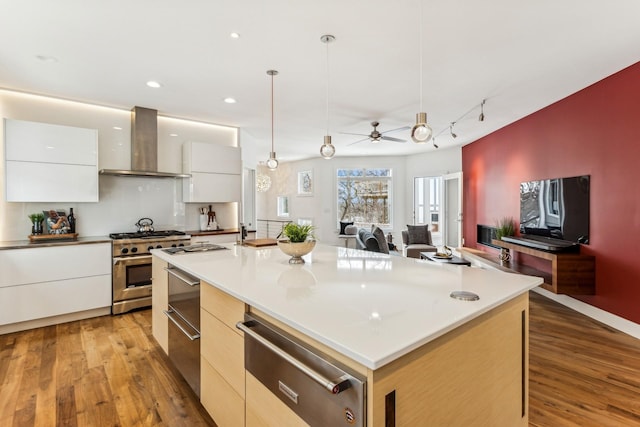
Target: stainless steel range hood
(144, 147)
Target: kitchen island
(427, 359)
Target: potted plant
(299, 241)
(505, 227)
(36, 222)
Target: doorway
(437, 201)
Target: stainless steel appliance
(184, 328)
(198, 247)
(315, 388)
(132, 265)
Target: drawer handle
(169, 313)
(333, 387)
(182, 277)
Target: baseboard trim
(602, 316)
(54, 320)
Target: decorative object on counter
(298, 243)
(504, 256)
(72, 221)
(145, 225)
(36, 223)
(56, 222)
(204, 221)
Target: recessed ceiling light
(47, 58)
(234, 35)
(153, 84)
(173, 134)
(117, 128)
(230, 100)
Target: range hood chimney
(144, 147)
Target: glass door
(452, 224)
(427, 205)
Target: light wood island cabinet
(222, 356)
(432, 360)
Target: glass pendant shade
(421, 131)
(272, 163)
(327, 150)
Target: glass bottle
(72, 221)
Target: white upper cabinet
(216, 173)
(50, 163)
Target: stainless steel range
(132, 265)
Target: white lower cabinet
(55, 280)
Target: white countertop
(368, 306)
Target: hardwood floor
(108, 371)
(105, 371)
(581, 372)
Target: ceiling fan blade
(360, 140)
(388, 138)
(396, 130)
(359, 134)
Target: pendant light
(272, 163)
(481, 116)
(327, 150)
(421, 131)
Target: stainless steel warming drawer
(315, 388)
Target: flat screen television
(556, 208)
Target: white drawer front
(48, 264)
(36, 301)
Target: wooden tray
(257, 243)
(51, 237)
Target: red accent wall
(593, 132)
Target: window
(364, 196)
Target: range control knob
(158, 246)
(149, 247)
(173, 246)
(134, 250)
(124, 250)
(181, 244)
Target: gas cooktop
(147, 234)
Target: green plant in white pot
(298, 241)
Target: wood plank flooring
(105, 371)
(108, 371)
(581, 372)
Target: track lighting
(451, 130)
(327, 150)
(481, 117)
(272, 163)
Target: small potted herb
(36, 222)
(299, 241)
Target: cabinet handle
(333, 387)
(182, 277)
(169, 313)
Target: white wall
(123, 201)
(322, 206)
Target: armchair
(416, 239)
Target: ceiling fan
(376, 136)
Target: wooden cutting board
(257, 243)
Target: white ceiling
(520, 56)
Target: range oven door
(131, 283)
